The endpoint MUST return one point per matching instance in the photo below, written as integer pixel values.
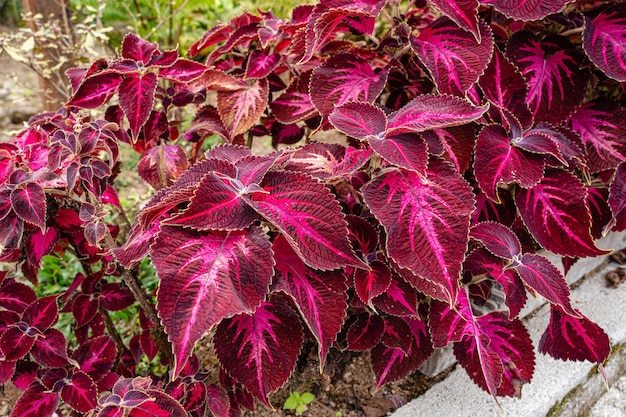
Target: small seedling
(298, 402)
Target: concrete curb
(458, 396)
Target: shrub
(455, 141)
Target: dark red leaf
(115, 298)
(426, 220)
(84, 308)
(16, 296)
(29, 203)
(365, 332)
(408, 150)
(183, 71)
(604, 40)
(240, 109)
(36, 401)
(80, 393)
(42, 313)
(96, 356)
(268, 341)
(400, 299)
(556, 213)
(206, 277)
(527, 10)
(463, 12)
(261, 64)
(50, 349)
(319, 296)
(40, 244)
(360, 120)
(162, 165)
(15, 344)
(498, 239)
(136, 98)
(7, 370)
(574, 339)
(617, 198)
(95, 90)
(372, 283)
(309, 217)
(454, 57)
(137, 49)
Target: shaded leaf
(604, 40)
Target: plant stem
(113, 331)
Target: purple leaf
(136, 99)
(294, 105)
(498, 239)
(617, 198)
(309, 217)
(556, 213)
(96, 357)
(499, 357)
(359, 120)
(556, 83)
(29, 202)
(574, 339)
(544, 278)
(137, 49)
(498, 161)
(327, 161)
(80, 393)
(527, 10)
(452, 55)
(455, 144)
(206, 277)
(504, 86)
(50, 349)
(162, 165)
(260, 64)
(407, 150)
(94, 91)
(601, 125)
(42, 313)
(431, 112)
(372, 283)
(240, 109)
(36, 401)
(365, 332)
(604, 40)
(343, 78)
(268, 343)
(463, 12)
(426, 220)
(391, 364)
(15, 296)
(182, 71)
(319, 296)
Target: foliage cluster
(459, 139)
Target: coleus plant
(456, 140)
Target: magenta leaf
(327, 161)
(604, 40)
(429, 111)
(319, 296)
(162, 165)
(400, 299)
(463, 12)
(80, 393)
(40, 244)
(556, 83)
(407, 150)
(137, 245)
(372, 283)
(294, 105)
(160, 405)
(498, 161)
(450, 323)
(574, 338)
(96, 357)
(36, 401)
(29, 202)
(499, 357)
(360, 120)
(391, 364)
(455, 144)
(240, 109)
(95, 90)
(343, 78)
(544, 278)
(206, 277)
(452, 55)
(396, 334)
(136, 99)
(556, 213)
(527, 10)
(558, 142)
(617, 198)
(498, 239)
(84, 309)
(426, 220)
(267, 346)
(205, 123)
(50, 349)
(15, 343)
(308, 216)
(182, 71)
(7, 370)
(365, 332)
(114, 297)
(601, 125)
(260, 64)
(504, 86)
